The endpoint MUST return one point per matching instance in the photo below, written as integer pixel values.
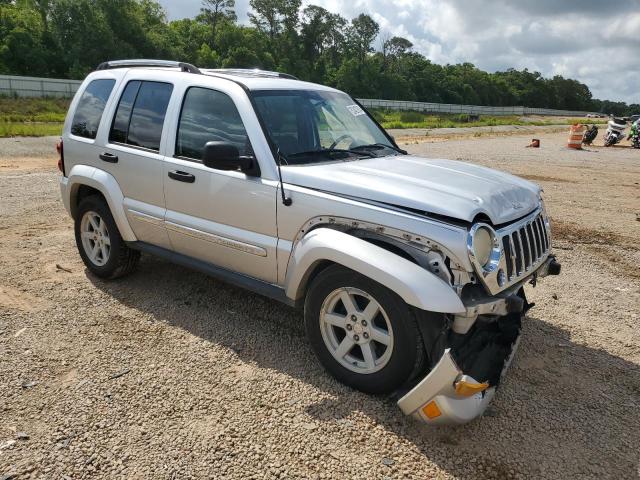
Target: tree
(360, 36)
(215, 11)
(274, 16)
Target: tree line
(68, 38)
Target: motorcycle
(634, 135)
(615, 131)
(590, 135)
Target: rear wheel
(363, 333)
(101, 247)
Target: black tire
(407, 355)
(122, 260)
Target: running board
(260, 287)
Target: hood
(443, 187)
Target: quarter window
(207, 116)
(140, 115)
(86, 118)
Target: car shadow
(562, 407)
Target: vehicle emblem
(516, 205)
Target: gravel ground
(170, 374)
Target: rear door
(132, 153)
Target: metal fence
(37, 87)
(465, 109)
(53, 87)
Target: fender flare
(106, 184)
(415, 285)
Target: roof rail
(185, 67)
(251, 72)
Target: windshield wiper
(379, 146)
(332, 150)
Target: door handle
(182, 176)
(108, 157)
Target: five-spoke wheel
(364, 334)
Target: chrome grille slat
(532, 242)
(538, 235)
(526, 245)
(513, 258)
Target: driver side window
(208, 115)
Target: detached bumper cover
(439, 389)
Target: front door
(226, 218)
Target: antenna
(286, 201)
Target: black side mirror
(225, 156)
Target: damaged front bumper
(449, 396)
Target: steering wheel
(339, 139)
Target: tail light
(60, 150)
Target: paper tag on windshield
(355, 110)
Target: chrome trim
(520, 261)
(145, 217)
(494, 257)
(217, 239)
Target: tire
(394, 364)
(119, 260)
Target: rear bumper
(64, 192)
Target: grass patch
(16, 110)
(30, 129)
(32, 117)
(413, 119)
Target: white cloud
(594, 41)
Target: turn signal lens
(465, 388)
(431, 410)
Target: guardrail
(465, 109)
(55, 87)
(37, 87)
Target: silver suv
(410, 270)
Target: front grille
(525, 245)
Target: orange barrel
(575, 136)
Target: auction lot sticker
(355, 110)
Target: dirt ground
(168, 374)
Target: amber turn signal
(465, 388)
(431, 410)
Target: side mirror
(225, 156)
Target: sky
(594, 41)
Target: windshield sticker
(355, 110)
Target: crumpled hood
(443, 187)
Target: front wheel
(363, 333)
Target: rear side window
(208, 115)
(140, 115)
(86, 118)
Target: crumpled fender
(106, 184)
(414, 284)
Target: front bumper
(448, 396)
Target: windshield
(311, 126)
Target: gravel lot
(170, 374)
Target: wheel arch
(84, 181)
(325, 246)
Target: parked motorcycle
(634, 135)
(590, 135)
(615, 131)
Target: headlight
(482, 245)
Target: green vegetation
(68, 38)
(412, 119)
(32, 117)
(29, 129)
